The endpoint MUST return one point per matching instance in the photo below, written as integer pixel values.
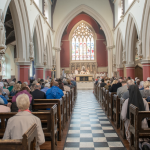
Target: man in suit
(37, 94)
(122, 90)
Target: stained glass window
(83, 43)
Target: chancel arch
(94, 57)
(95, 15)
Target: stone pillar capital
(58, 49)
(23, 63)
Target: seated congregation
(38, 111)
(126, 104)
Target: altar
(84, 77)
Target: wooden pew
(104, 99)
(97, 91)
(110, 104)
(106, 102)
(65, 117)
(135, 129)
(46, 117)
(68, 104)
(59, 103)
(101, 95)
(98, 94)
(28, 142)
(122, 127)
(116, 111)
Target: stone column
(121, 72)
(24, 72)
(57, 56)
(146, 69)
(110, 60)
(39, 72)
(47, 73)
(130, 69)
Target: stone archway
(131, 39)
(99, 19)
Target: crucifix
(53, 70)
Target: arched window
(83, 43)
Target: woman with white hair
(22, 121)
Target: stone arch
(145, 32)
(38, 39)
(22, 27)
(92, 13)
(119, 49)
(132, 33)
(48, 46)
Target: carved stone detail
(139, 49)
(124, 56)
(114, 60)
(2, 34)
(31, 51)
(45, 58)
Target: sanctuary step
(85, 85)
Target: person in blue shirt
(3, 98)
(54, 92)
(47, 86)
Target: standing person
(136, 99)
(76, 71)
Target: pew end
(28, 142)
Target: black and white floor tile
(89, 128)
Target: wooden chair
(116, 111)
(50, 118)
(48, 103)
(110, 103)
(28, 142)
(122, 127)
(136, 130)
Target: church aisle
(89, 128)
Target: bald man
(37, 94)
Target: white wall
(63, 7)
(137, 12)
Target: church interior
(74, 74)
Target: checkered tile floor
(89, 128)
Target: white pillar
(110, 60)
(57, 56)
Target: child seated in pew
(136, 99)
(22, 121)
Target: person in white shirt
(76, 71)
